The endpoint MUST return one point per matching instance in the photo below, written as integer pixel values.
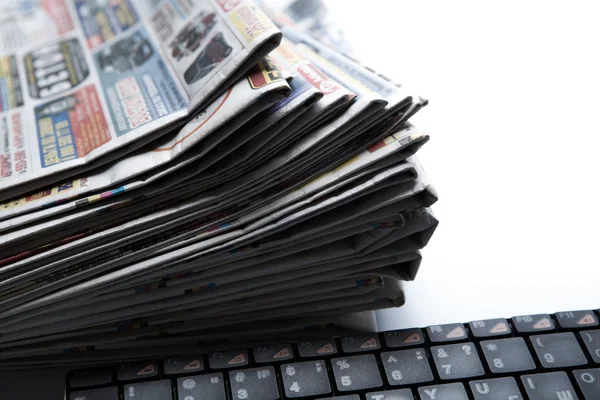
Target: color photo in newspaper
(92, 81)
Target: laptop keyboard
(535, 357)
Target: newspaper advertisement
(242, 101)
(90, 81)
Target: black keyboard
(535, 357)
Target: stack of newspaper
(177, 173)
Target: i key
(554, 385)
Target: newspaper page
(381, 151)
(405, 138)
(356, 284)
(231, 110)
(268, 123)
(53, 277)
(82, 84)
(212, 245)
(63, 262)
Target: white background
(514, 114)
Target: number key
(558, 350)
(254, 383)
(592, 343)
(507, 355)
(356, 373)
(305, 379)
(406, 367)
(201, 387)
(588, 381)
(457, 361)
(156, 390)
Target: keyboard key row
(309, 379)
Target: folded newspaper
(185, 172)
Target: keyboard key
(305, 379)
(107, 393)
(490, 328)
(228, 359)
(273, 353)
(90, 377)
(507, 355)
(183, 365)
(254, 383)
(450, 391)
(349, 397)
(576, 319)
(398, 394)
(554, 385)
(360, 343)
(406, 367)
(447, 333)
(558, 350)
(592, 343)
(588, 381)
(496, 389)
(317, 348)
(533, 323)
(403, 338)
(155, 390)
(457, 361)
(356, 373)
(202, 387)
(137, 370)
